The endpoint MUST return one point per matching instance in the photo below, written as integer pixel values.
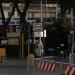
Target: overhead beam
(21, 1)
(64, 3)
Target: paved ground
(15, 67)
(12, 70)
(22, 70)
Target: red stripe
(65, 67)
(49, 67)
(72, 71)
(69, 70)
(45, 67)
(53, 67)
(39, 64)
(42, 65)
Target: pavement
(14, 67)
(23, 62)
(13, 61)
(17, 67)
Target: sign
(37, 34)
(37, 27)
(18, 28)
(15, 22)
(12, 22)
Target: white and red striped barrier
(69, 70)
(45, 66)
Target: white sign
(37, 27)
(37, 34)
(40, 34)
(4, 41)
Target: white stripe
(39, 64)
(72, 71)
(49, 67)
(45, 66)
(53, 66)
(67, 69)
(42, 65)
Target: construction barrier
(2, 53)
(54, 68)
(45, 66)
(69, 70)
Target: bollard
(30, 64)
(30, 58)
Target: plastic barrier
(69, 70)
(54, 68)
(45, 66)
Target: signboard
(40, 34)
(37, 27)
(4, 42)
(17, 21)
(37, 34)
(12, 22)
(18, 28)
